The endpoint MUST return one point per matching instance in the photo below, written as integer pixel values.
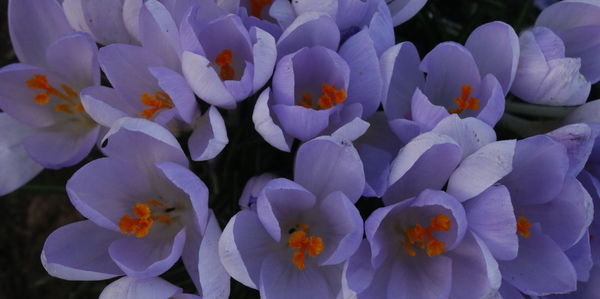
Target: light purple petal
(499, 233)
(264, 53)
(309, 30)
(214, 280)
(147, 257)
(578, 139)
(495, 48)
(243, 246)
(329, 7)
(539, 168)
(381, 28)
(62, 145)
(581, 257)
(74, 57)
(360, 272)
(482, 169)
(105, 21)
(104, 105)
(405, 129)
(401, 76)
(79, 251)
(588, 113)
(469, 133)
(426, 162)
(424, 278)
(351, 130)
(493, 101)
(540, 268)
(205, 82)
(133, 288)
(17, 167)
(300, 122)
(403, 10)
(325, 165)
(179, 91)
(209, 136)
(33, 26)
(131, 18)
(424, 112)
(583, 42)
(159, 33)
(266, 126)
(366, 82)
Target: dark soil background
(30, 214)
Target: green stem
(525, 128)
(538, 110)
(43, 188)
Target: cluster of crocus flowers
(462, 214)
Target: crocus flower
(223, 62)
(402, 11)
(545, 75)
(469, 80)
(423, 248)
(150, 288)
(145, 209)
(295, 242)
(42, 91)
(252, 190)
(577, 23)
(315, 89)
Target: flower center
(523, 226)
(300, 240)
(224, 60)
(141, 225)
(69, 99)
(465, 101)
(160, 100)
(423, 237)
(256, 7)
(330, 95)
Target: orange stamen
(306, 100)
(299, 240)
(256, 7)
(418, 234)
(329, 95)
(523, 226)
(141, 226)
(465, 101)
(224, 60)
(160, 100)
(69, 96)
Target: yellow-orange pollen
(465, 102)
(141, 225)
(224, 60)
(256, 7)
(70, 98)
(158, 100)
(423, 237)
(523, 226)
(330, 95)
(299, 240)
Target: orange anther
(465, 101)
(299, 240)
(224, 60)
(256, 7)
(423, 238)
(63, 108)
(69, 96)
(306, 100)
(141, 226)
(42, 98)
(329, 95)
(160, 100)
(523, 226)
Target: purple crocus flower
(315, 89)
(150, 288)
(42, 92)
(223, 62)
(145, 210)
(577, 23)
(295, 243)
(422, 247)
(468, 80)
(403, 10)
(545, 75)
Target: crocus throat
(523, 226)
(423, 237)
(300, 240)
(465, 102)
(159, 100)
(141, 225)
(256, 6)
(69, 99)
(224, 60)
(330, 95)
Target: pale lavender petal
(588, 113)
(104, 105)
(243, 246)
(205, 82)
(366, 82)
(426, 278)
(381, 28)
(265, 125)
(62, 145)
(264, 53)
(300, 122)
(252, 189)
(213, 279)
(131, 18)
(283, 12)
(405, 129)
(129, 137)
(133, 288)
(578, 139)
(403, 10)
(209, 136)
(469, 133)
(482, 169)
(17, 167)
(581, 257)
(325, 165)
(33, 26)
(541, 267)
(308, 30)
(495, 48)
(569, 14)
(329, 7)
(539, 168)
(499, 233)
(105, 21)
(160, 34)
(79, 251)
(360, 272)
(583, 42)
(147, 257)
(401, 76)
(351, 130)
(74, 57)
(179, 91)
(426, 114)
(493, 101)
